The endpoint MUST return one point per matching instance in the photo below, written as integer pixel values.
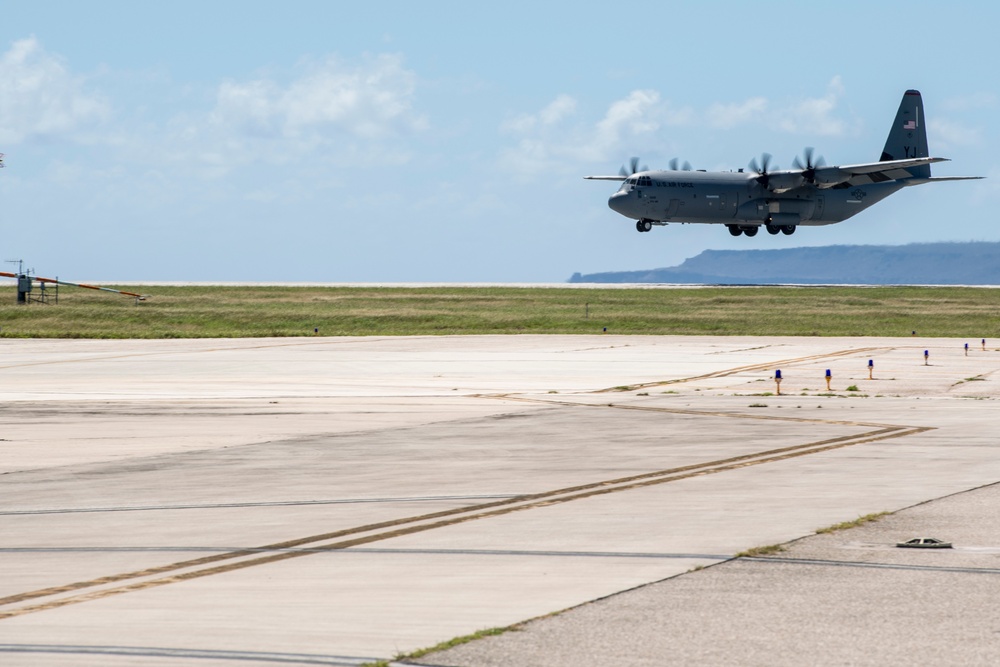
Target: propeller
(761, 169)
(673, 165)
(810, 167)
(634, 167)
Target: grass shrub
(238, 312)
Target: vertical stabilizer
(908, 136)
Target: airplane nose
(617, 203)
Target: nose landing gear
(643, 225)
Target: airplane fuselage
(811, 194)
(737, 198)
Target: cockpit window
(628, 184)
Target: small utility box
(23, 288)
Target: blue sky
(446, 141)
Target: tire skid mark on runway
(441, 552)
(424, 517)
(696, 413)
(744, 369)
(427, 522)
(272, 503)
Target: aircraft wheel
(734, 230)
(788, 230)
(750, 230)
(647, 226)
(772, 229)
(638, 226)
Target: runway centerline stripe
(427, 522)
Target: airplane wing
(870, 172)
(605, 178)
(934, 179)
(890, 165)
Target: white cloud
(556, 111)
(546, 143)
(728, 116)
(811, 115)
(348, 113)
(815, 115)
(41, 99)
(636, 124)
(370, 100)
(973, 102)
(641, 113)
(946, 134)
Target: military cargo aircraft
(811, 194)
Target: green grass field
(239, 312)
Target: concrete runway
(341, 500)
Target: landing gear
(751, 230)
(773, 229)
(735, 230)
(788, 230)
(643, 225)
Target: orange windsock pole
(54, 281)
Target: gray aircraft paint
(781, 200)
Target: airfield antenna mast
(19, 262)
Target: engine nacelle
(783, 181)
(827, 177)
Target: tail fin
(908, 135)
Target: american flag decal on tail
(910, 125)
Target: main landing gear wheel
(750, 230)
(643, 226)
(773, 229)
(788, 230)
(734, 230)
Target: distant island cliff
(974, 263)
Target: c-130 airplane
(781, 200)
